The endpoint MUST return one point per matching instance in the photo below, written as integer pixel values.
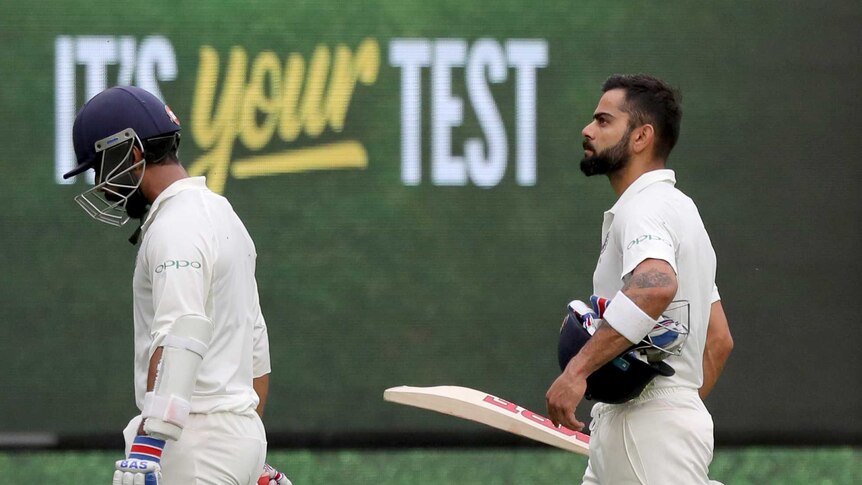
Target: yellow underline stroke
(345, 154)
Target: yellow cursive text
(273, 100)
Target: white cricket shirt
(196, 258)
(652, 219)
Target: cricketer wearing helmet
(651, 425)
(201, 347)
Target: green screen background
(367, 283)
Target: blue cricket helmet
(620, 380)
(114, 110)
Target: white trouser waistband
(648, 394)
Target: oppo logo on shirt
(177, 264)
(646, 237)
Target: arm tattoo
(650, 290)
(648, 279)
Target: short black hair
(650, 100)
(162, 149)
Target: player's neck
(159, 177)
(622, 179)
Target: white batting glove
(271, 476)
(142, 466)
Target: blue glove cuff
(147, 448)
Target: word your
(268, 97)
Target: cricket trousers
(214, 449)
(663, 437)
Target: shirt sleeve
(260, 356)
(715, 296)
(645, 234)
(181, 256)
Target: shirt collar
(645, 180)
(188, 183)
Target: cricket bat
(491, 410)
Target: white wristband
(628, 319)
(173, 410)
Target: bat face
(535, 417)
(491, 410)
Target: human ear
(643, 138)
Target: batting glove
(599, 304)
(271, 476)
(589, 318)
(142, 466)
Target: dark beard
(137, 205)
(608, 160)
